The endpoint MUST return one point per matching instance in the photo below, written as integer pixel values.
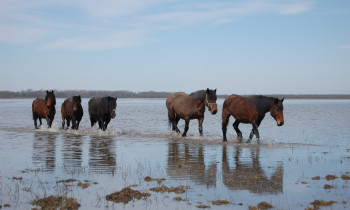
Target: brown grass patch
(327, 186)
(179, 199)
(66, 181)
(331, 177)
(265, 205)
(220, 202)
(159, 180)
(163, 189)
(345, 177)
(203, 207)
(316, 178)
(318, 203)
(125, 195)
(53, 202)
(84, 185)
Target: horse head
(76, 101)
(50, 99)
(112, 106)
(210, 101)
(276, 111)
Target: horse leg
(63, 120)
(101, 124)
(254, 131)
(187, 122)
(171, 118)
(200, 127)
(77, 126)
(41, 123)
(225, 119)
(92, 121)
(35, 123)
(74, 123)
(106, 124)
(177, 119)
(239, 133)
(68, 123)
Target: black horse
(102, 110)
(250, 110)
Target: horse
(250, 110)
(102, 110)
(188, 107)
(71, 110)
(44, 108)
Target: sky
(238, 47)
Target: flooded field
(138, 163)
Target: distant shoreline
(149, 94)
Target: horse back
(240, 108)
(180, 103)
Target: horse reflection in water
(102, 155)
(44, 151)
(72, 151)
(250, 176)
(186, 161)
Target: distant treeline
(150, 94)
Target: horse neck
(199, 105)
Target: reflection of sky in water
(313, 142)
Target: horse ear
(52, 91)
(215, 90)
(116, 98)
(208, 90)
(79, 98)
(275, 101)
(282, 100)
(47, 92)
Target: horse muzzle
(280, 123)
(213, 109)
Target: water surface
(314, 141)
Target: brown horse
(44, 108)
(188, 107)
(72, 110)
(250, 110)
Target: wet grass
(125, 195)
(53, 202)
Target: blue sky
(241, 47)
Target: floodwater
(282, 170)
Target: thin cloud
(343, 47)
(110, 24)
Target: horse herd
(180, 106)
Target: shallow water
(314, 141)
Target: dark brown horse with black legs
(71, 110)
(250, 110)
(188, 107)
(44, 108)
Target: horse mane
(198, 95)
(262, 103)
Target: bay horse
(250, 110)
(188, 107)
(44, 108)
(71, 110)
